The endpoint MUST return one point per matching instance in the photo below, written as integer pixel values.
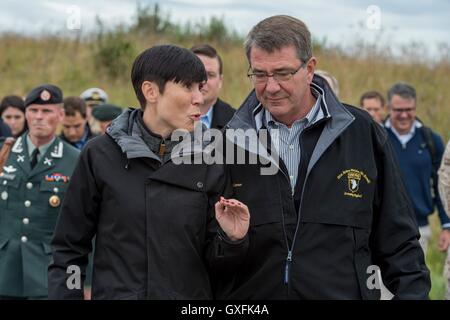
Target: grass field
(104, 61)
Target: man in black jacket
(215, 112)
(328, 205)
(153, 216)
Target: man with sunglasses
(419, 152)
(335, 209)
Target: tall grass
(104, 60)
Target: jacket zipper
(291, 248)
(287, 266)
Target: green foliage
(151, 21)
(215, 30)
(113, 51)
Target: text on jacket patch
(354, 179)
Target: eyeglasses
(278, 76)
(401, 110)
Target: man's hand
(444, 240)
(233, 217)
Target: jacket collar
(20, 153)
(220, 114)
(249, 116)
(124, 131)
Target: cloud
(405, 21)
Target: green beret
(106, 112)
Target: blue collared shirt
(80, 144)
(206, 119)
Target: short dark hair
(372, 95)
(74, 104)
(164, 63)
(209, 51)
(12, 101)
(403, 90)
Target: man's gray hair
(277, 32)
(402, 89)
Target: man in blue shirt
(408, 137)
(76, 130)
(215, 112)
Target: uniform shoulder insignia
(57, 151)
(18, 146)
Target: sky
(396, 22)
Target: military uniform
(30, 200)
(94, 97)
(444, 179)
(444, 191)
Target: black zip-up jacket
(154, 222)
(222, 113)
(349, 212)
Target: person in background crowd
(215, 112)
(12, 111)
(373, 102)
(444, 191)
(419, 152)
(75, 129)
(104, 114)
(332, 81)
(93, 97)
(32, 187)
(444, 179)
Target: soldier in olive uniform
(32, 186)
